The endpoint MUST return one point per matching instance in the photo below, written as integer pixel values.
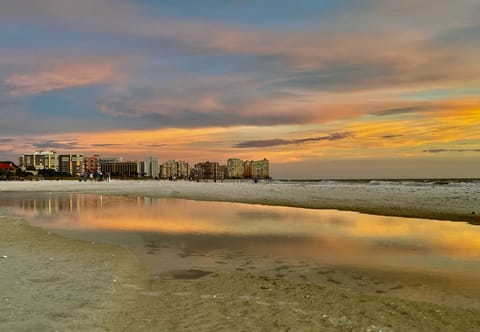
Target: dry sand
(51, 283)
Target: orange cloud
(73, 73)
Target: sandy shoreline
(431, 202)
(53, 283)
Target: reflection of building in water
(146, 201)
(64, 203)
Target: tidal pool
(171, 235)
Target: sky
(323, 89)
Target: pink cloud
(57, 76)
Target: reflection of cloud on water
(404, 245)
(262, 215)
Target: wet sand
(52, 283)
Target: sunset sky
(323, 89)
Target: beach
(57, 283)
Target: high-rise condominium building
(122, 168)
(168, 169)
(152, 168)
(175, 169)
(183, 169)
(207, 170)
(235, 168)
(40, 160)
(260, 169)
(72, 164)
(92, 164)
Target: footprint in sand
(396, 287)
(334, 281)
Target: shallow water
(197, 228)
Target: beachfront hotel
(78, 164)
(40, 160)
(72, 164)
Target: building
(222, 172)
(40, 160)
(256, 169)
(260, 169)
(152, 168)
(92, 164)
(175, 169)
(207, 170)
(122, 168)
(235, 169)
(247, 169)
(71, 164)
(168, 169)
(111, 160)
(183, 169)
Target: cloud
(279, 141)
(56, 145)
(106, 144)
(450, 150)
(401, 110)
(155, 145)
(6, 139)
(390, 136)
(57, 75)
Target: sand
(52, 283)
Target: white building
(152, 168)
(41, 160)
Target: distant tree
(49, 173)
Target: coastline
(428, 202)
(84, 286)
